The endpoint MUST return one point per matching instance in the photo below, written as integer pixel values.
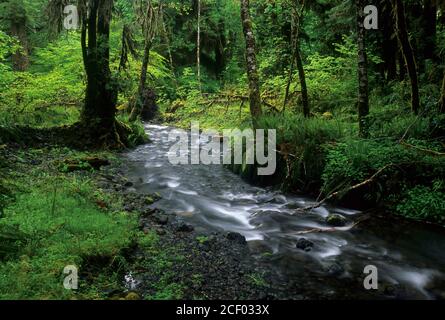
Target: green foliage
(303, 142)
(8, 45)
(135, 130)
(159, 260)
(51, 92)
(424, 203)
(63, 226)
(356, 160)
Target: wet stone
(335, 269)
(336, 220)
(305, 244)
(184, 227)
(160, 218)
(236, 237)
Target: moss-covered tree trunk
(296, 52)
(252, 69)
(407, 52)
(389, 45)
(20, 59)
(100, 102)
(150, 21)
(302, 77)
(198, 46)
(139, 101)
(442, 97)
(429, 29)
(363, 97)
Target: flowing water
(407, 255)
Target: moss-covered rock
(336, 220)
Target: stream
(410, 257)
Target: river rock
(335, 269)
(305, 244)
(161, 232)
(336, 220)
(236, 237)
(160, 218)
(132, 296)
(184, 227)
(128, 184)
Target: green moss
(54, 220)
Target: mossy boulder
(336, 220)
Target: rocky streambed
(242, 241)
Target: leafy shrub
(136, 134)
(64, 226)
(356, 160)
(305, 141)
(424, 203)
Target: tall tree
(442, 97)
(100, 102)
(297, 16)
(198, 46)
(389, 45)
(149, 19)
(363, 98)
(407, 52)
(14, 13)
(98, 113)
(429, 28)
(252, 69)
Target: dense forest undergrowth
(390, 156)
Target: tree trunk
(100, 103)
(167, 43)
(296, 57)
(442, 97)
(363, 99)
(252, 69)
(429, 29)
(389, 44)
(20, 59)
(149, 25)
(407, 52)
(302, 76)
(139, 103)
(198, 47)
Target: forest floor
(60, 214)
(61, 211)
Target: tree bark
(252, 69)
(139, 103)
(407, 52)
(198, 47)
(20, 59)
(100, 103)
(389, 44)
(429, 29)
(167, 43)
(363, 98)
(442, 97)
(150, 26)
(302, 76)
(296, 17)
